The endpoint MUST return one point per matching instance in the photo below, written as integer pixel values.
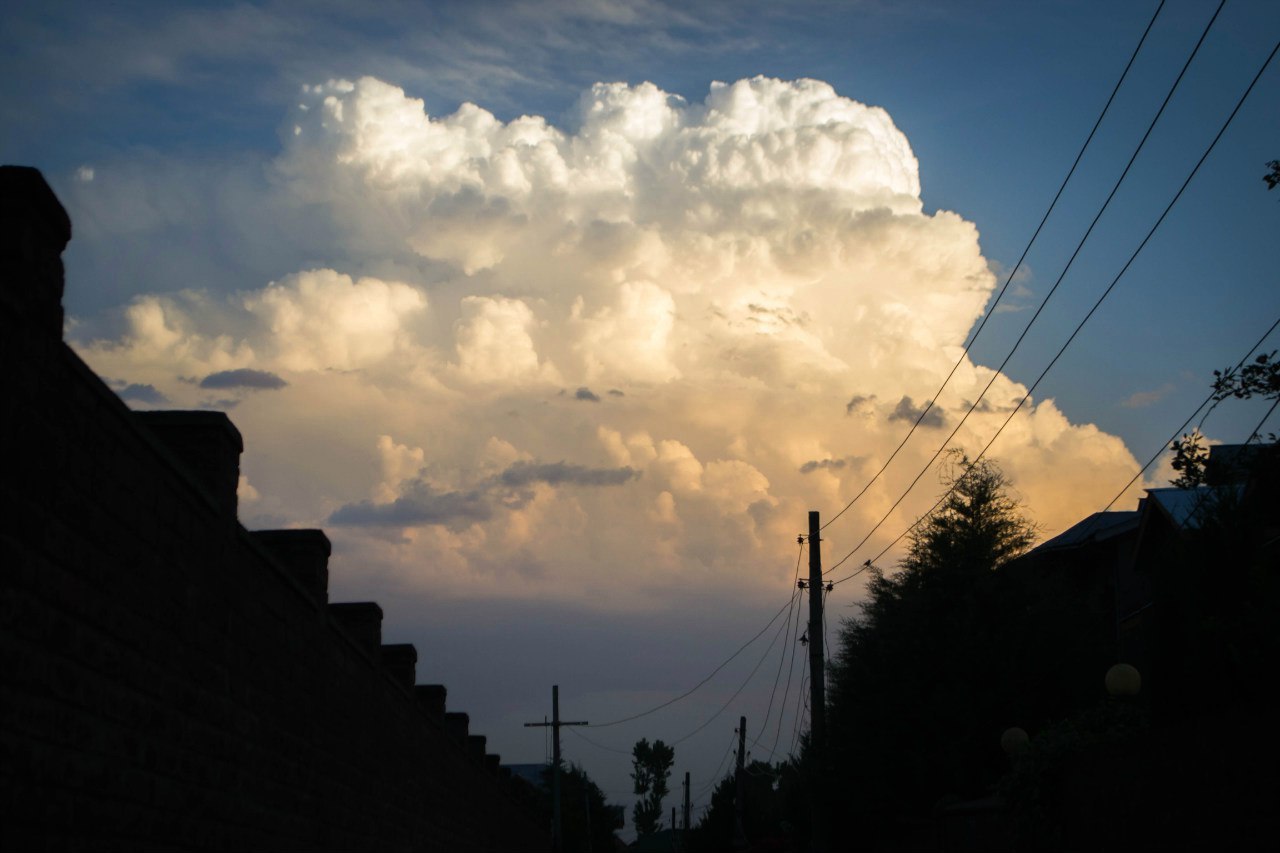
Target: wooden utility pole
(557, 839)
(817, 689)
(740, 788)
(686, 801)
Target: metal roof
(1186, 507)
(1095, 528)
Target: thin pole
(817, 688)
(686, 801)
(557, 840)
(740, 787)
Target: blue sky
(995, 98)
(168, 131)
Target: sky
(559, 316)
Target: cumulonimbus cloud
(754, 277)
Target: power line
(1258, 428)
(1013, 272)
(999, 371)
(742, 687)
(791, 668)
(1189, 419)
(1074, 333)
(781, 658)
(574, 731)
(695, 687)
(802, 699)
(1143, 469)
(716, 777)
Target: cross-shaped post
(556, 723)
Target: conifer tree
(921, 679)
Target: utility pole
(817, 689)
(740, 787)
(686, 801)
(557, 840)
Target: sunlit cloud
(649, 340)
(1142, 399)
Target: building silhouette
(168, 679)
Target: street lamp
(1015, 742)
(1123, 681)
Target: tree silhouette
(651, 768)
(979, 527)
(587, 819)
(1190, 460)
(923, 682)
(1260, 379)
(775, 810)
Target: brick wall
(168, 680)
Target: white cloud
(493, 340)
(399, 464)
(742, 272)
(322, 319)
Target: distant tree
(1259, 379)
(651, 768)
(775, 810)
(587, 820)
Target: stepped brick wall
(169, 680)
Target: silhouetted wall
(170, 680)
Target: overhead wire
(785, 629)
(737, 692)
(1071, 337)
(1190, 418)
(1012, 273)
(716, 779)
(791, 667)
(713, 673)
(1258, 428)
(802, 699)
(782, 657)
(573, 730)
(999, 371)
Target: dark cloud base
(423, 505)
(244, 378)
(136, 393)
(907, 410)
